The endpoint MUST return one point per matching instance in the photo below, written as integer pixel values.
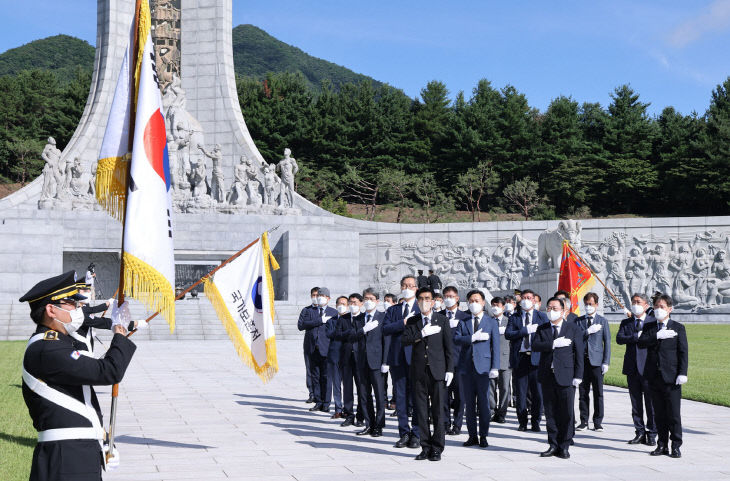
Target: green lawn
(17, 436)
(709, 363)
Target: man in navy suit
(500, 390)
(431, 371)
(316, 322)
(561, 370)
(634, 364)
(597, 339)
(520, 331)
(368, 333)
(303, 315)
(478, 362)
(453, 397)
(667, 359)
(334, 357)
(398, 359)
(570, 316)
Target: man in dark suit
(453, 396)
(633, 367)
(570, 316)
(398, 359)
(304, 314)
(368, 333)
(667, 360)
(478, 362)
(520, 331)
(334, 357)
(434, 282)
(431, 370)
(561, 370)
(316, 322)
(597, 339)
(500, 390)
(350, 352)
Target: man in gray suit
(499, 403)
(597, 339)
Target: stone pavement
(192, 410)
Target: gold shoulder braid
(51, 336)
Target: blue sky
(671, 52)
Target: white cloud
(714, 18)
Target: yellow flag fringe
(148, 286)
(111, 185)
(271, 367)
(143, 28)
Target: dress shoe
(434, 456)
(551, 451)
(522, 427)
(422, 455)
(650, 441)
(347, 422)
(394, 413)
(638, 439)
(581, 427)
(675, 453)
(359, 424)
(324, 409)
(376, 433)
(563, 454)
(454, 431)
(500, 420)
(365, 431)
(316, 407)
(403, 441)
(659, 451)
(414, 443)
(598, 428)
(336, 416)
(535, 428)
(310, 399)
(572, 443)
(483, 442)
(472, 441)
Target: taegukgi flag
(242, 293)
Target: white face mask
(425, 306)
(475, 308)
(554, 315)
(388, 304)
(77, 319)
(354, 310)
(637, 309)
(342, 309)
(661, 314)
(509, 308)
(369, 305)
(496, 311)
(314, 301)
(526, 304)
(437, 305)
(590, 310)
(408, 293)
(322, 300)
(450, 302)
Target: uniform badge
(75, 355)
(50, 336)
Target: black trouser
(524, 377)
(309, 374)
(640, 395)
(500, 403)
(559, 402)
(667, 414)
(592, 378)
(453, 400)
(371, 383)
(318, 365)
(425, 389)
(349, 372)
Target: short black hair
(537, 296)
(37, 314)
(561, 292)
(561, 301)
(527, 291)
(436, 295)
(476, 291)
(448, 289)
(591, 295)
(663, 297)
(341, 297)
(497, 300)
(408, 276)
(390, 297)
(355, 295)
(509, 298)
(313, 290)
(424, 290)
(372, 291)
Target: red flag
(575, 277)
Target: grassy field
(709, 366)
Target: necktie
(450, 314)
(476, 324)
(589, 320)
(321, 311)
(425, 321)
(405, 310)
(527, 337)
(662, 326)
(367, 317)
(555, 332)
(638, 325)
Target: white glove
(594, 329)
(479, 336)
(429, 330)
(562, 341)
(325, 320)
(369, 326)
(665, 334)
(109, 302)
(384, 368)
(453, 323)
(532, 328)
(449, 377)
(628, 313)
(493, 374)
(120, 314)
(681, 380)
(604, 368)
(638, 334)
(114, 460)
(141, 324)
(576, 382)
(502, 329)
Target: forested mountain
(60, 54)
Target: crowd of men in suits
(447, 365)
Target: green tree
(523, 195)
(435, 203)
(476, 185)
(715, 144)
(27, 159)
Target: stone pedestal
(545, 283)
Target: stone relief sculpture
(52, 156)
(288, 168)
(550, 243)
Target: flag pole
(595, 275)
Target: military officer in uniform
(58, 384)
